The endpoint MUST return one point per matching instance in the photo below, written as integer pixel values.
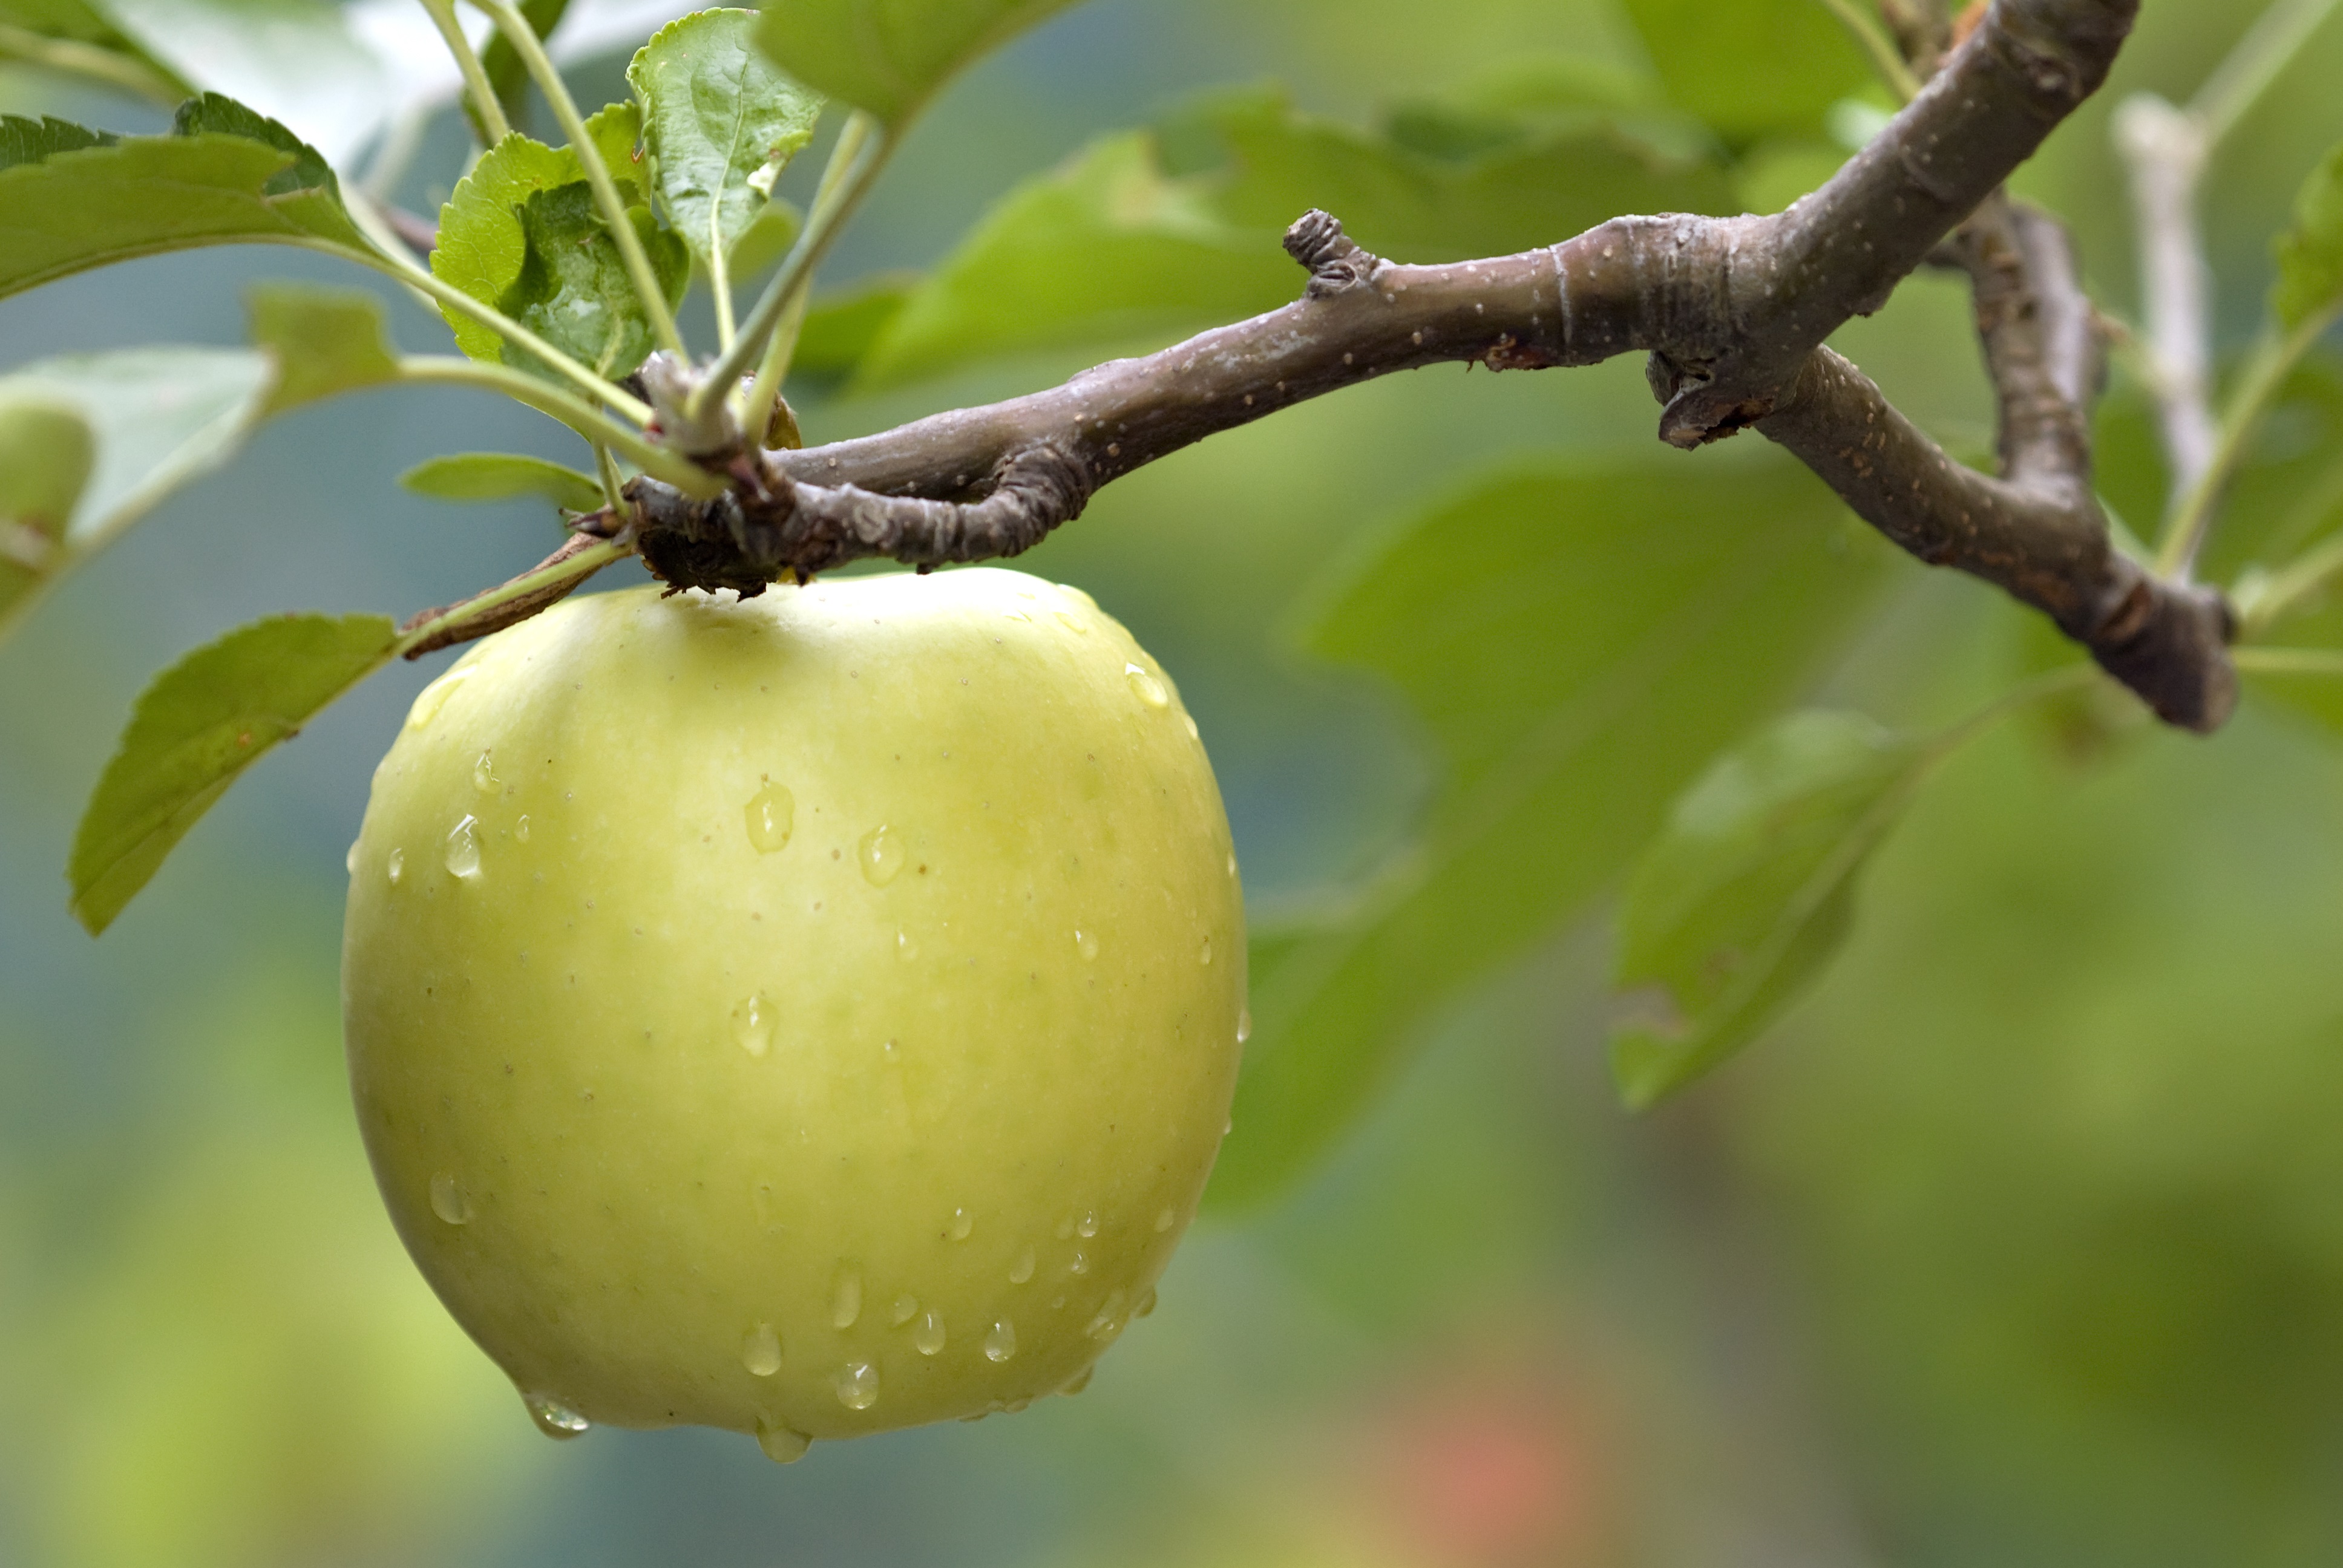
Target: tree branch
(1732, 310)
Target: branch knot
(1335, 260)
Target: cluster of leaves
(1585, 642)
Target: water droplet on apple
(1082, 1380)
(962, 1222)
(1165, 1219)
(1080, 1264)
(463, 855)
(927, 1338)
(1016, 615)
(1193, 733)
(484, 774)
(760, 1353)
(521, 828)
(1087, 1226)
(1244, 1025)
(1074, 623)
(1109, 1322)
(449, 1201)
(1232, 862)
(880, 855)
(397, 866)
(858, 1385)
(783, 1444)
(432, 698)
(771, 812)
(1150, 690)
(350, 859)
(1146, 1307)
(752, 1024)
(553, 1418)
(846, 1302)
(1086, 943)
(1204, 953)
(1022, 1269)
(905, 948)
(1002, 1342)
(906, 1307)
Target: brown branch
(1732, 310)
(509, 612)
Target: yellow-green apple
(806, 1015)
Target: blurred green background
(2019, 1242)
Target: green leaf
(719, 124)
(298, 61)
(888, 57)
(1579, 640)
(325, 340)
(161, 417)
(1752, 68)
(1116, 245)
(1749, 891)
(47, 451)
(768, 240)
(500, 476)
(574, 289)
(482, 246)
(29, 141)
(841, 328)
(2311, 254)
(203, 722)
(508, 74)
(224, 176)
(75, 21)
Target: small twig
(2249, 67)
(494, 126)
(92, 63)
(417, 233)
(1886, 57)
(544, 584)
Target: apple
(806, 1015)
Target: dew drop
(1232, 862)
(1002, 1342)
(1146, 1307)
(521, 828)
(1109, 1322)
(752, 1025)
(1204, 953)
(846, 1302)
(1165, 1218)
(350, 860)
(397, 866)
(1022, 1269)
(1074, 623)
(906, 1307)
(1150, 690)
(783, 1444)
(1016, 615)
(449, 1200)
(434, 697)
(1081, 1264)
(880, 856)
(1086, 943)
(1082, 1380)
(928, 1337)
(1244, 1025)
(484, 774)
(1087, 1226)
(1193, 733)
(858, 1385)
(962, 1222)
(760, 1353)
(771, 813)
(553, 1418)
(905, 948)
(463, 855)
